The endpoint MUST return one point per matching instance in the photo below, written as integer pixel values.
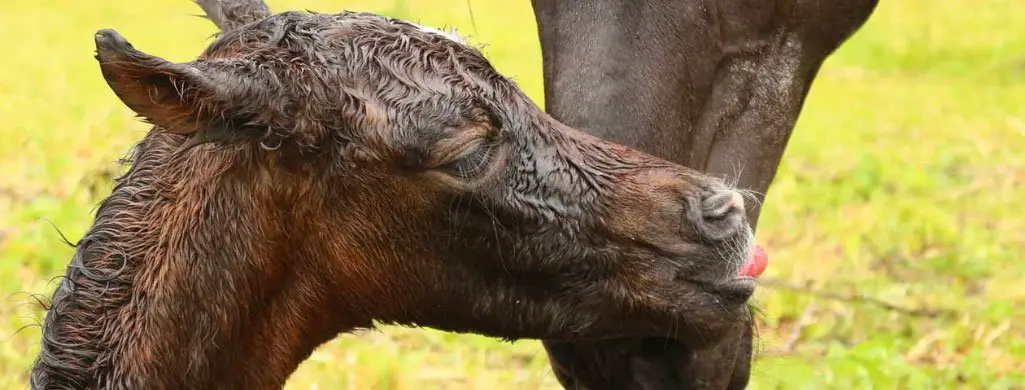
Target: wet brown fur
(312, 173)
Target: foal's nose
(722, 205)
(719, 215)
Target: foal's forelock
(307, 75)
(452, 35)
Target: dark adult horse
(713, 85)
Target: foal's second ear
(172, 96)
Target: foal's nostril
(722, 205)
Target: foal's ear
(176, 97)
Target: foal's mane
(77, 333)
(80, 336)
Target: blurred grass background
(903, 182)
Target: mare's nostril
(721, 205)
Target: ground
(903, 183)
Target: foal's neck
(185, 280)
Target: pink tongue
(756, 265)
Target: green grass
(905, 182)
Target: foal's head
(309, 174)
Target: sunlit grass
(903, 182)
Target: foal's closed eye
(466, 152)
(472, 160)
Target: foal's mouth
(755, 265)
(737, 288)
(742, 286)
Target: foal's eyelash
(472, 164)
